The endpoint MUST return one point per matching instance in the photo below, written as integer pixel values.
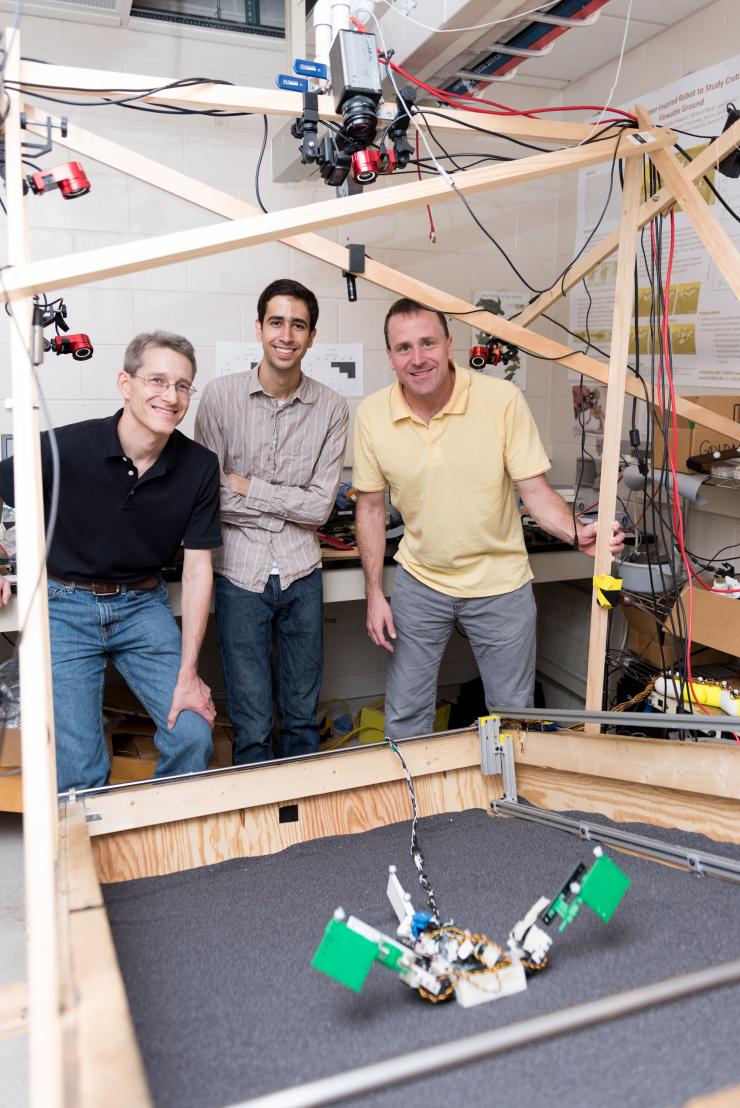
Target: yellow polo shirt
(452, 481)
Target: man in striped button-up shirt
(280, 438)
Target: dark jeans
(246, 624)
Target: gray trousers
(501, 630)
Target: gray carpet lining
(226, 1006)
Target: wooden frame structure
(75, 993)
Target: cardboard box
(11, 792)
(703, 439)
(692, 438)
(647, 636)
(716, 619)
(10, 748)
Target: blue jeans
(137, 631)
(246, 621)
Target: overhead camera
(369, 164)
(493, 353)
(46, 313)
(79, 346)
(70, 178)
(348, 148)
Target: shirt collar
(112, 444)
(456, 405)
(306, 391)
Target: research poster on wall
(336, 364)
(704, 315)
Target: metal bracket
(518, 51)
(497, 754)
(39, 148)
(695, 861)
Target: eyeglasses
(161, 385)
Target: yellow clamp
(607, 590)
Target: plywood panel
(248, 832)
(717, 817)
(257, 785)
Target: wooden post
(39, 772)
(633, 174)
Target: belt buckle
(102, 588)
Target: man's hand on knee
(191, 694)
(5, 592)
(380, 621)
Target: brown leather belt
(109, 588)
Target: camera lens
(360, 119)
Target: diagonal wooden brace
(324, 250)
(91, 265)
(721, 248)
(712, 154)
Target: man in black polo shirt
(132, 490)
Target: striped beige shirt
(292, 453)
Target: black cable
(581, 420)
(415, 848)
(495, 242)
(432, 134)
(482, 130)
(721, 198)
(599, 221)
(259, 165)
(137, 94)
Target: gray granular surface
(226, 1005)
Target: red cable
(503, 109)
(432, 228)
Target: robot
(441, 961)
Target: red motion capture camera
(70, 178)
(491, 354)
(79, 346)
(369, 164)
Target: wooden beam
(13, 1009)
(257, 101)
(703, 768)
(694, 786)
(145, 169)
(103, 1061)
(720, 246)
(37, 733)
(723, 145)
(623, 297)
(250, 786)
(724, 1098)
(257, 831)
(91, 265)
(625, 802)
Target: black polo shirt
(113, 525)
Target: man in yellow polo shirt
(450, 443)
